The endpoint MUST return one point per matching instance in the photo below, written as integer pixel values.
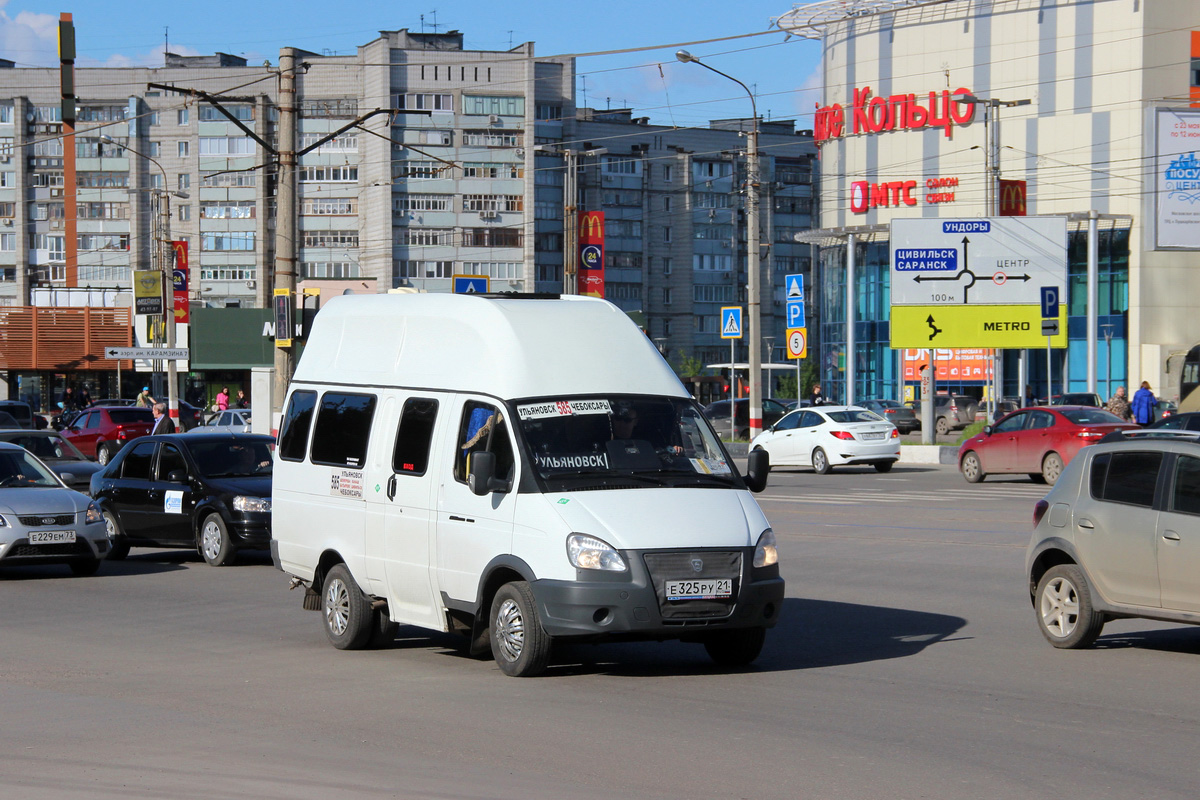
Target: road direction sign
(162, 353)
(1050, 302)
(731, 322)
(795, 313)
(1049, 327)
(797, 342)
(793, 286)
(470, 284)
(975, 282)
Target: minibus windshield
(622, 441)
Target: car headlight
(766, 553)
(588, 552)
(93, 514)
(3, 522)
(244, 503)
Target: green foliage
(688, 366)
(974, 429)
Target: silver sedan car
(44, 522)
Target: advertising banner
(1177, 177)
(591, 254)
(147, 291)
(965, 364)
(1012, 198)
(179, 279)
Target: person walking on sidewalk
(1144, 403)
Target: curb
(909, 453)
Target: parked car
(1039, 442)
(9, 422)
(191, 417)
(19, 411)
(1005, 406)
(208, 491)
(1165, 409)
(900, 415)
(718, 414)
(826, 436)
(1188, 421)
(1117, 537)
(71, 466)
(1077, 399)
(100, 431)
(236, 420)
(45, 522)
(952, 412)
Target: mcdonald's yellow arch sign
(591, 253)
(1012, 198)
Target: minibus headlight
(588, 552)
(766, 554)
(244, 503)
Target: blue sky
(782, 74)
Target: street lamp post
(160, 255)
(752, 256)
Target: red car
(1036, 441)
(100, 431)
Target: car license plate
(708, 589)
(872, 436)
(52, 537)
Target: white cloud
(29, 39)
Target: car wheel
(215, 544)
(383, 630)
(1052, 467)
(883, 466)
(347, 612)
(744, 435)
(820, 462)
(1064, 608)
(972, 470)
(118, 548)
(105, 452)
(735, 648)
(942, 426)
(519, 644)
(83, 569)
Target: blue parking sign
(1050, 302)
(795, 314)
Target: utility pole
(285, 216)
(570, 224)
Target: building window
(667, 204)
(343, 143)
(226, 146)
(667, 171)
(492, 202)
(228, 179)
(229, 273)
(183, 148)
(155, 149)
(491, 237)
(667, 233)
(500, 270)
(185, 181)
(329, 269)
(479, 169)
(228, 209)
(209, 113)
(492, 138)
(493, 105)
(420, 170)
(329, 206)
(423, 237)
(330, 239)
(709, 261)
(328, 174)
(318, 109)
(403, 270)
(616, 165)
(181, 116)
(666, 329)
(404, 203)
(227, 242)
(549, 113)
(666, 270)
(423, 102)
(667, 296)
(185, 213)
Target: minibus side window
(413, 437)
(483, 428)
(343, 429)
(293, 430)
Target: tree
(688, 366)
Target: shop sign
(865, 195)
(1012, 198)
(895, 112)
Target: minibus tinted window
(343, 429)
(293, 430)
(413, 437)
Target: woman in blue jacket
(1143, 405)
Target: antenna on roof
(166, 43)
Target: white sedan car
(827, 436)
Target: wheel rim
(971, 467)
(337, 607)
(102, 455)
(210, 540)
(819, 461)
(110, 527)
(1060, 608)
(510, 630)
(1053, 468)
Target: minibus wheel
(347, 614)
(519, 644)
(735, 648)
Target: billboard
(964, 364)
(591, 254)
(1177, 180)
(179, 279)
(147, 291)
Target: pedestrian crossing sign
(731, 322)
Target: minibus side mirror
(758, 465)
(482, 475)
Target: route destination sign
(975, 282)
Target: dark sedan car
(718, 415)
(209, 491)
(900, 415)
(1188, 421)
(57, 453)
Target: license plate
(52, 537)
(871, 436)
(707, 589)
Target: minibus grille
(677, 565)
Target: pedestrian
(1143, 405)
(69, 401)
(162, 423)
(145, 400)
(223, 399)
(816, 398)
(1030, 400)
(85, 397)
(1118, 404)
(242, 401)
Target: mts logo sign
(865, 195)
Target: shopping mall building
(1090, 110)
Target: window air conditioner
(489, 215)
(493, 118)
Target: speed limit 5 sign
(797, 342)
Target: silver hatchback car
(44, 522)
(1118, 536)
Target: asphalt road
(907, 664)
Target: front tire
(820, 462)
(519, 644)
(1052, 467)
(215, 544)
(735, 648)
(972, 469)
(118, 548)
(347, 613)
(1064, 608)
